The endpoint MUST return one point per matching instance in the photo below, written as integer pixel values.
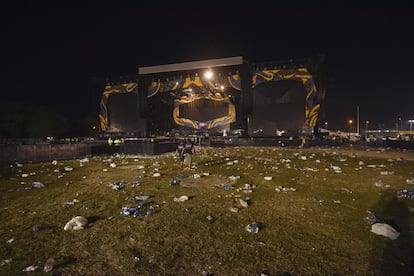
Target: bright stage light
(208, 74)
(411, 124)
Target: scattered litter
(259, 243)
(244, 203)
(373, 218)
(70, 203)
(284, 189)
(268, 178)
(226, 187)
(384, 229)
(406, 193)
(252, 228)
(262, 273)
(117, 185)
(379, 227)
(50, 263)
(234, 209)
(234, 178)
(337, 201)
(378, 182)
(210, 218)
(173, 182)
(136, 211)
(142, 197)
(387, 173)
(84, 160)
(346, 190)
(156, 174)
(76, 223)
(135, 184)
(248, 188)
(314, 198)
(24, 188)
(336, 169)
(310, 169)
(4, 262)
(410, 181)
(54, 162)
(68, 169)
(112, 165)
(30, 268)
(9, 241)
(181, 198)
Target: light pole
(411, 125)
(350, 125)
(326, 125)
(366, 124)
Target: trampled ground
(310, 206)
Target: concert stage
(216, 97)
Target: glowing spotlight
(208, 74)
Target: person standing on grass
(188, 151)
(180, 153)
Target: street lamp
(366, 124)
(411, 124)
(350, 125)
(326, 125)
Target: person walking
(188, 151)
(180, 153)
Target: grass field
(310, 205)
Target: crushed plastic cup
(49, 265)
(181, 198)
(30, 268)
(37, 184)
(253, 227)
(173, 182)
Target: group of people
(114, 142)
(185, 153)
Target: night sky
(59, 56)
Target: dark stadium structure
(217, 97)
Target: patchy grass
(318, 227)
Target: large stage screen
(203, 110)
(161, 108)
(278, 109)
(124, 114)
